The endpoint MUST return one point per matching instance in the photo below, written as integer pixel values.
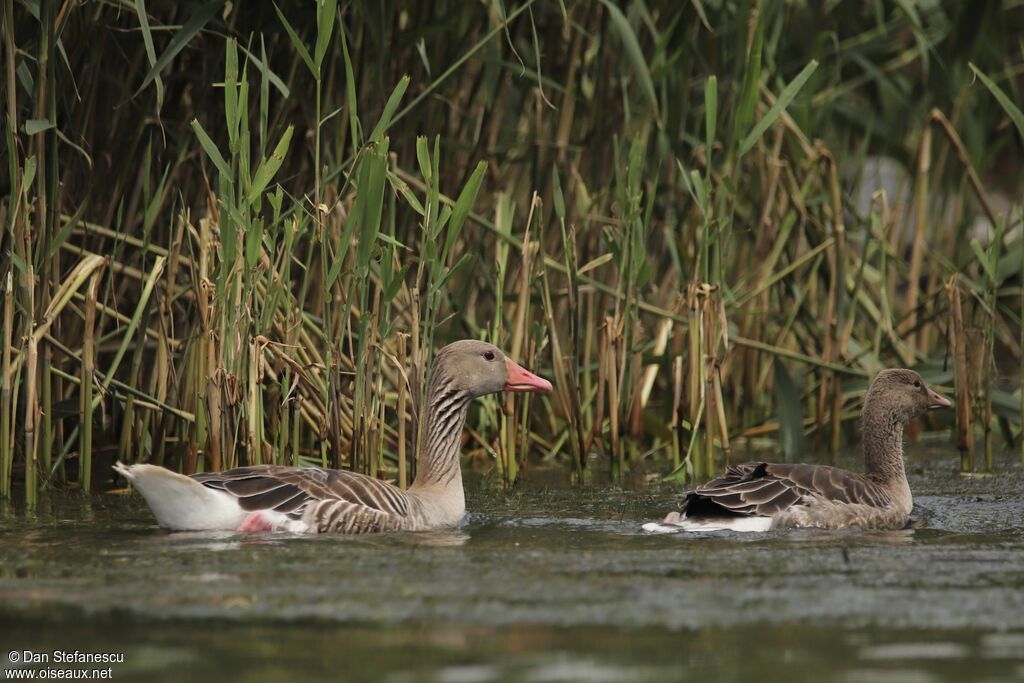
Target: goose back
(784, 492)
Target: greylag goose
(759, 496)
(315, 500)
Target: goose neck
(883, 454)
(883, 444)
(438, 464)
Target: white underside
(183, 504)
(744, 524)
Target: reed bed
(235, 237)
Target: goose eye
(917, 383)
(489, 355)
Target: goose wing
(334, 500)
(765, 489)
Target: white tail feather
(181, 503)
(674, 523)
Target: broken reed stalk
(86, 406)
(709, 346)
(403, 407)
(564, 386)
(503, 217)
(6, 394)
(988, 415)
(677, 417)
(254, 399)
(611, 375)
(838, 324)
(988, 355)
(567, 363)
(958, 344)
(209, 402)
(936, 116)
(716, 347)
(695, 375)
(31, 417)
(829, 323)
(650, 375)
(723, 424)
(49, 380)
(597, 424)
(924, 163)
(519, 336)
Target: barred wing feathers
(333, 501)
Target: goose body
(760, 496)
(317, 500)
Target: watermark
(61, 665)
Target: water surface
(540, 584)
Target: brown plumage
(316, 500)
(759, 496)
(333, 501)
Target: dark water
(541, 584)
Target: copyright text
(32, 664)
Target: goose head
(902, 394)
(479, 368)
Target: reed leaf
(1011, 109)
(389, 109)
(463, 205)
(211, 149)
(785, 98)
(269, 167)
(634, 54)
(326, 12)
(297, 43)
(188, 31)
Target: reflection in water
(213, 535)
(925, 650)
(843, 536)
(531, 653)
(438, 538)
(222, 540)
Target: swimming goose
(759, 496)
(315, 500)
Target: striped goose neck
(438, 464)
